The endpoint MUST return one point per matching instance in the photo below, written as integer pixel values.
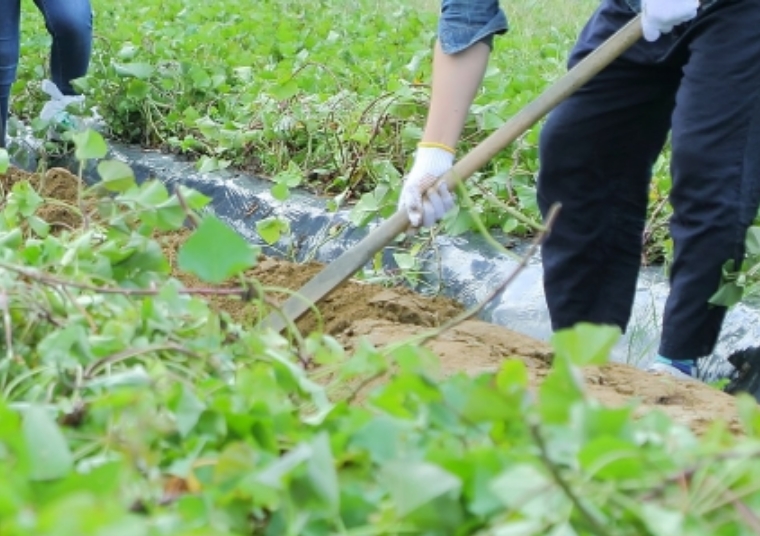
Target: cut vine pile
(382, 315)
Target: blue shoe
(678, 369)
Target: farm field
(140, 396)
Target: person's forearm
(456, 80)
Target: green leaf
(117, 176)
(280, 191)
(5, 161)
(24, 199)
(586, 344)
(321, 471)
(133, 377)
(189, 410)
(512, 377)
(49, 453)
(484, 403)
(278, 471)
(208, 164)
(290, 177)
(284, 91)
(194, 199)
(127, 52)
(271, 229)
(381, 438)
(414, 484)
(365, 209)
(39, 226)
(482, 466)
(137, 89)
(135, 70)
(610, 458)
(90, 145)
(661, 521)
(235, 461)
(148, 194)
(63, 347)
(214, 252)
(752, 242)
(513, 486)
(559, 392)
(405, 261)
(601, 421)
(11, 239)
(527, 490)
(728, 295)
(748, 412)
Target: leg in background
(9, 52)
(70, 25)
(597, 150)
(716, 171)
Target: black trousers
(701, 84)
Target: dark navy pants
(69, 22)
(701, 84)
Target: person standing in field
(69, 23)
(695, 75)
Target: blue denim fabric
(466, 22)
(69, 22)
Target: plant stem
(242, 292)
(425, 337)
(594, 524)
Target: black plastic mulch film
(464, 268)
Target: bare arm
(456, 80)
(465, 32)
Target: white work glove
(54, 108)
(429, 164)
(661, 16)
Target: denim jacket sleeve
(466, 22)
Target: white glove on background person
(429, 164)
(661, 16)
(55, 108)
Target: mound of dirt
(339, 311)
(383, 315)
(57, 185)
(357, 311)
(476, 347)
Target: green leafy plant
(741, 282)
(333, 100)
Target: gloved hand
(55, 108)
(429, 164)
(660, 16)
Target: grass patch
(330, 97)
(327, 95)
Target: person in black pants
(701, 84)
(695, 75)
(69, 23)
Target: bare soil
(58, 186)
(382, 315)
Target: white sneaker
(680, 371)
